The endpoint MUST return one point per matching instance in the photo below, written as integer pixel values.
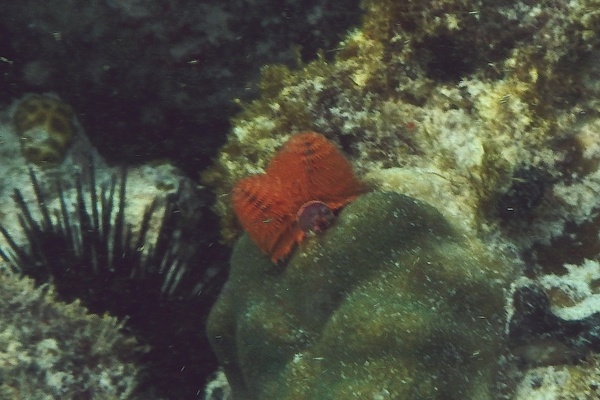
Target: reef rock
(392, 302)
(445, 101)
(487, 111)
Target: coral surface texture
(390, 303)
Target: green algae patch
(391, 303)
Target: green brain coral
(390, 303)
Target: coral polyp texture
(45, 127)
(391, 302)
(278, 207)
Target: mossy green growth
(392, 302)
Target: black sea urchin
(163, 289)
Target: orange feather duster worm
(308, 173)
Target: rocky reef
(55, 350)
(123, 245)
(489, 113)
(445, 101)
(390, 303)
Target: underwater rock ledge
(392, 301)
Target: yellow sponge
(45, 128)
